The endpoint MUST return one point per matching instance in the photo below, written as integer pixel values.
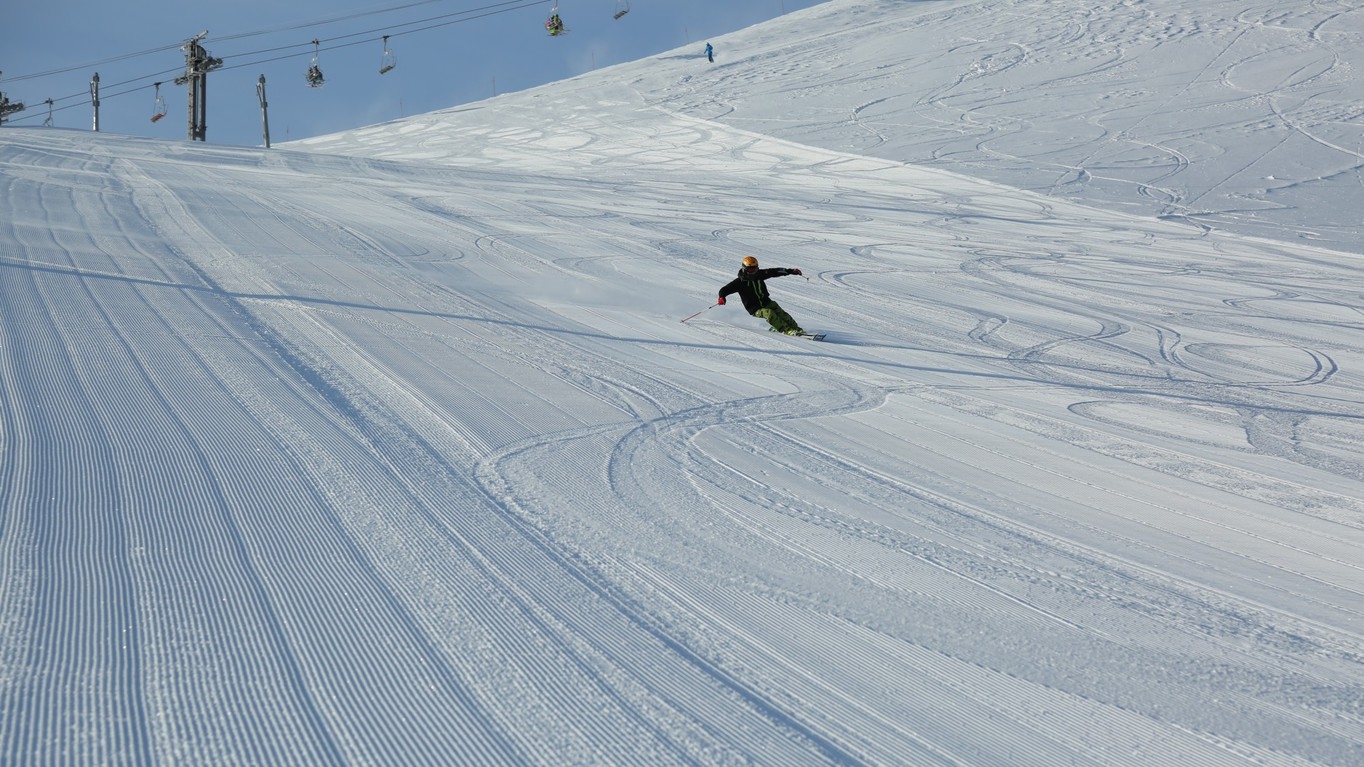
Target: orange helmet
(750, 262)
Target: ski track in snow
(388, 447)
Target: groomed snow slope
(389, 447)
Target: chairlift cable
(106, 94)
(367, 37)
(318, 23)
(110, 60)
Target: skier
(752, 289)
(710, 53)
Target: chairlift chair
(622, 8)
(158, 105)
(314, 75)
(387, 62)
(554, 24)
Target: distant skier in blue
(710, 53)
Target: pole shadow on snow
(813, 351)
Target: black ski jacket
(751, 288)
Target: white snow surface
(390, 447)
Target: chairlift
(158, 104)
(387, 62)
(48, 122)
(314, 71)
(554, 25)
(622, 8)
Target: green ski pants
(778, 318)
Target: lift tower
(197, 66)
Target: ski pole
(708, 308)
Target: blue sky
(448, 52)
